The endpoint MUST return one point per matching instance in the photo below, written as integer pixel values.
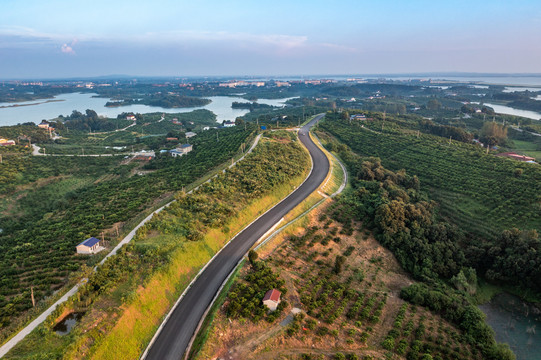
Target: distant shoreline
(32, 104)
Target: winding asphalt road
(172, 341)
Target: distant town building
(44, 125)
(358, 117)
(131, 117)
(282, 83)
(190, 134)
(233, 84)
(144, 155)
(272, 299)
(181, 150)
(171, 139)
(6, 142)
(89, 246)
(228, 123)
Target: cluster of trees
(245, 299)
(493, 133)
(513, 258)
(404, 220)
(251, 106)
(162, 100)
(24, 132)
(89, 121)
(446, 131)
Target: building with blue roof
(89, 246)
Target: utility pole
(0, 158)
(383, 122)
(450, 140)
(217, 139)
(83, 149)
(32, 296)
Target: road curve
(174, 337)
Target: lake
(502, 109)
(220, 105)
(516, 323)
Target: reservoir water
(502, 109)
(47, 109)
(516, 323)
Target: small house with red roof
(272, 299)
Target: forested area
(162, 100)
(40, 252)
(24, 133)
(481, 193)
(90, 121)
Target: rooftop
(90, 242)
(273, 295)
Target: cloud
(67, 49)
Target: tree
(493, 133)
(433, 104)
(252, 256)
(338, 264)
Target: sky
(58, 38)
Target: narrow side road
(173, 338)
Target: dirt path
(244, 350)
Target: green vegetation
(245, 298)
(479, 192)
(434, 251)
(250, 106)
(99, 195)
(149, 274)
(162, 100)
